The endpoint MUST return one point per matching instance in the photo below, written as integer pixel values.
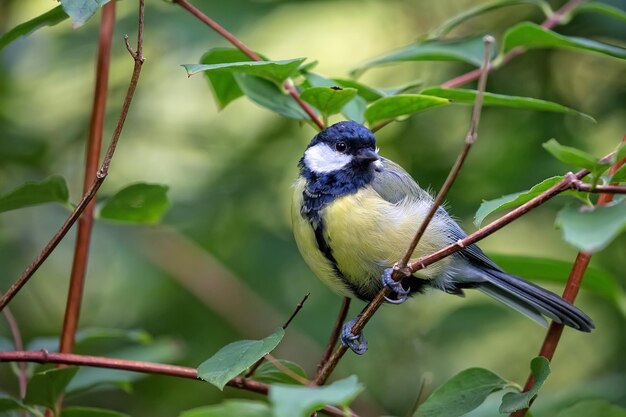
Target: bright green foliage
(90, 412)
(276, 71)
(593, 408)
(236, 357)
(513, 401)
(602, 8)
(532, 36)
(512, 200)
(469, 50)
(454, 21)
(49, 18)
(401, 105)
(51, 190)
(576, 157)
(137, 203)
(231, 408)
(267, 94)
(592, 229)
(620, 174)
(269, 373)
(461, 394)
(328, 100)
(12, 404)
(299, 401)
(463, 96)
(44, 388)
(223, 83)
(81, 10)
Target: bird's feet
(356, 342)
(394, 286)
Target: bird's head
(342, 146)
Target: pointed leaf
(269, 373)
(530, 36)
(455, 21)
(231, 408)
(461, 394)
(45, 387)
(300, 401)
(49, 18)
(137, 203)
(593, 408)
(276, 71)
(513, 401)
(90, 412)
(328, 100)
(592, 229)
(602, 8)
(463, 96)
(576, 157)
(81, 10)
(10, 404)
(51, 190)
(223, 83)
(236, 357)
(620, 175)
(267, 94)
(401, 105)
(469, 50)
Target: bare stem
(22, 377)
(287, 85)
(334, 336)
(100, 176)
(552, 20)
(604, 189)
(258, 363)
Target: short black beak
(367, 155)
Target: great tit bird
(354, 213)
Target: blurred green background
(223, 265)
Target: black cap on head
(346, 131)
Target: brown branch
(22, 376)
(100, 176)
(258, 363)
(553, 335)
(400, 269)
(553, 20)
(85, 223)
(43, 356)
(287, 85)
(604, 189)
(334, 336)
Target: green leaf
(137, 203)
(236, 357)
(401, 105)
(531, 36)
(596, 280)
(328, 100)
(455, 21)
(268, 95)
(602, 8)
(593, 229)
(223, 84)
(593, 408)
(469, 50)
(512, 200)
(463, 96)
(576, 157)
(9, 404)
(269, 373)
(461, 394)
(81, 10)
(365, 91)
(275, 71)
(93, 338)
(620, 175)
(300, 401)
(49, 18)
(45, 387)
(513, 401)
(51, 190)
(90, 412)
(231, 408)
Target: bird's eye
(341, 147)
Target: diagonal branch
(334, 336)
(100, 176)
(287, 85)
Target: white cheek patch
(321, 158)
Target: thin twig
(553, 20)
(400, 269)
(43, 356)
(85, 223)
(258, 363)
(604, 189)
(95, 185)
(287, 85)
(22, 377)
(334, 335)
(553, 335)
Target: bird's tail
(532, 300)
